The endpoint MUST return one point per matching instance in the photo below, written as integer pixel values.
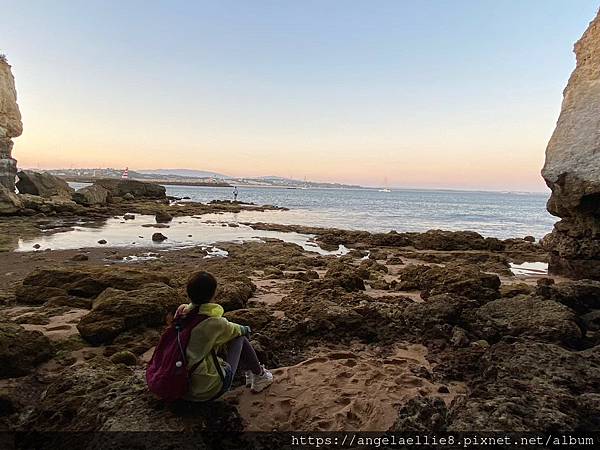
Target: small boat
(385, 183)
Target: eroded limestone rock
(572, 167)
(10, 126)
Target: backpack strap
(218, 366)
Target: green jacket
(211, 333)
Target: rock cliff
(572, 167)
(10, 125)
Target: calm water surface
(489, 213)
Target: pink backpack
(168, 374)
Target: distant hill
(192, 177)
(184, 173)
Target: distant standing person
(235, 193)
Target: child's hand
(246, 330)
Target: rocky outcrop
(92, 195)
(116, 311)
(43, 184)
(10, 126)
(139, 189)
(21, 350)
(571, 169)
(10, 203)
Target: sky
(437, 94)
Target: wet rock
(427, 415)
(512, 290)
(233, 294)
(439, 311)
(524, 385)
(450, 240)
(529, 239)
(92, 195)
(581, 296)
(37, 295)
(273, 273)
(124, 357)
(115, 311)
(163, 217)
(102, 242)
(571, 167)
(255, 318)
(20, 350)
(459, 337)
(158, 237)
(467, 281)
(129, 197)
(529, 316)
(139, 189)
(43, 184)
(346, 276)
(129, 217)
(66, 285)
(591, 320)
(80, 257)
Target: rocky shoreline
(408, 331)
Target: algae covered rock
(116, 311)
(21, 350)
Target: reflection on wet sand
(137, 233)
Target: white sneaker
(261, 382)
(249, 377)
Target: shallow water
(497, 214)
(182, 232)
(529, 268)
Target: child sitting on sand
(213, 376)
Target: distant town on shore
(191, 177)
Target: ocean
(497, 214)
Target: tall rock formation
(572, 167)
(10, 125)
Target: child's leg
(240, 353)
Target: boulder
(163, 217)
(465, 280)
(139, 189)
(10, 203)
(582, 296)
(116, 311)
(528, 316)
(21, 350)
(158, 237)
(43, 285)
(346, 276)
(43, 184)
(571, 169)
(524, 386)
(234, 294)
(92, 195)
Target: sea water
(497, 214)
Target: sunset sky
(454, 94)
